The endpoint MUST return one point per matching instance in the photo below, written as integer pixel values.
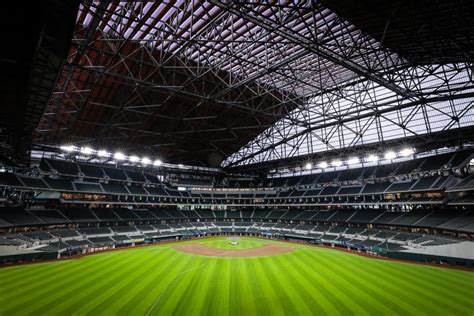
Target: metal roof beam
(349, 119)
(315, 48)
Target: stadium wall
(410, 256)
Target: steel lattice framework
(367, 112)
(249, 82)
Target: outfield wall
(28, 257)
(431, 259)
(449, 262)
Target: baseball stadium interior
(345, 127)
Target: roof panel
(187, 80)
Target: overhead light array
(371, 158)
(118, 156)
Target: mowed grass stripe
(246, 291)
(44, 291)
(302, 300)
(170, 297)
(190, 289)
(319, 291)
(352, 297)
(210, 293)
(441, 297)
(452, 279)
(196, 300)
(53, 268)
(220, 303)
(153, 300)
(267, 282)
(257, 302)
(224, 305)
(376, 292)
(307, 289)
(421, 289)
(119, 291)
(330, 286)
(206, 286)
(85, 297)
(441, 275)
(145, 286)
(92, 297)
(26, 282)
(234, 297)
(404, 297)
(290, 305)
(308, 280)
(375, 295)
(387, 281)
(262, 290)
(70, 297)
(445, 278)
(329, 275)
(40, 283)
(18, 273)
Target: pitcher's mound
(267, 250)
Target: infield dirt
(266, 250)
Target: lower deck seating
(368, 243)
(359, 228)
(39, 235)
(78, 243)
(10, 242)
(385, 234)
(65, 233)
(95, 231)
(124, 229)
(101, 240)
(18, 217)
(53, 247)
(406, 236)
(121, 238)
(390, 246)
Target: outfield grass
(161, 280)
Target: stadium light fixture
(119, 156)
(86, 150)
(134, 159)
(323, 165)
(336, 163)
(103, 153)
(405, 152)
(308, 166)
(372, 158)
(157, 163)
(68, 148)
(353, 160)
(146, 160)
(389, 155)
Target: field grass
(224, 243)
(161, 280)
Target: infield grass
(159, 280)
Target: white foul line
(166, 287)
(174, 278)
